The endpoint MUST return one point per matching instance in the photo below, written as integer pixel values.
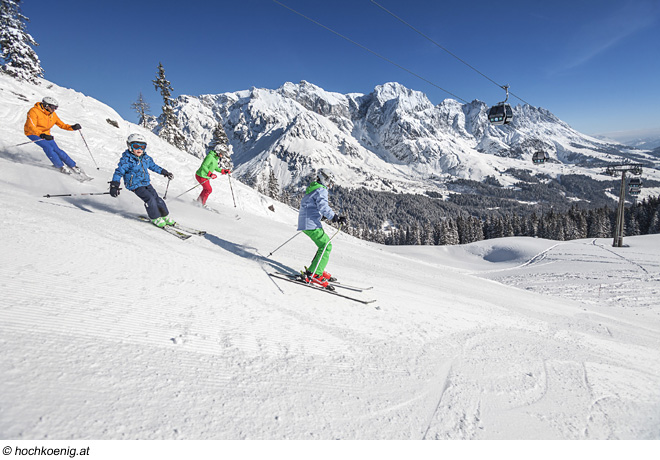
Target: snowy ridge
(113, 329)
(391, 139)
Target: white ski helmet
(51, 101)
(219, 150)
(135, 138)
(324, 177)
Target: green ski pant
(322, 242)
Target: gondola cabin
(540, 157)
(635, 186)
(500, 114)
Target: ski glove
(224, 171)
(167, 174)
(48, 137)
(76, 127)
(337, 219)
(114, 189)
(212, 176)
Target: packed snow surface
(113, 329)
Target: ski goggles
(138, 146)
(50, 107)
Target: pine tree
(427, 234)
(600, 225)
(17, 58)
(168, 127)
(449, 234)
(273, 187)
(654, 226)
(219, 142)
(142, 108)
(632, 226)
(477, 229)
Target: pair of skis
(82, 177)
(298, 280)
(180, 231)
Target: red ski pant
(206, 188)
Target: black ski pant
(154, 204)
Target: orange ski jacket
(39, 121)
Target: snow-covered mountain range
(392, 139)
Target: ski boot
(159, 222)
(317, 280)
(327, 276)
(168, 220)
(80, 172)
(66, 170)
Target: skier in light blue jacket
(313, 208)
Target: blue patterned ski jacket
(134, 170)
(313, 207)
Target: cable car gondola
(540, 157)
(635, 186)
(501, 113)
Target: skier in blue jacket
(134, 167)
(314, 207)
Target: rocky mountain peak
(393, 138)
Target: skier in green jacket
(206, 172)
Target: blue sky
(593, 63)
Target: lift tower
(614, 170)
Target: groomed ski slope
(113, 329)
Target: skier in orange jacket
(40, 119)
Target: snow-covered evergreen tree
(654, 226)
(219, 142)
(632, 226)
(449, 232)
(142, 108)
(168, 126)
(17, 57)
(272, 187)
(599, 224)
(427, 234)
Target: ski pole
(273, 251)
(29, 142)
(191, 189)
(232, 189)
(325, 247)
(90, 152)
(77, 194)
(166, 188)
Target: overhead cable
(445, 49)
(372, 52)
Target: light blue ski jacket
(313, 207)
